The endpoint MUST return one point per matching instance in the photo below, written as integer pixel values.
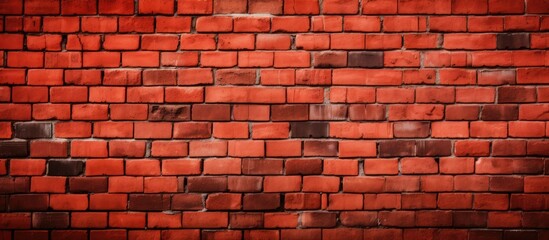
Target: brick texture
(274, 119)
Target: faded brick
(169, 113)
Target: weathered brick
(309, 129)
(513, 41)
(365, 59)
(14, 149)
(33, 130)
(169, 112)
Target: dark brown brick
(32, 130)
(482, 234)
(411, 129)
(246, 220)
(31, 234)
(28, 202)
(65, 167)
(14, 185)
(289, 112)
(513, 41)
(261, 201)
(187, 201)
(434, 148)
(303, 166)
(470, 219)
(254, 166)
(309, 129)
(516, 94)
(361, 112)
(245, 184)
(169, 113)
(520, 234)
(14, 149)
(330, 59)
(207, 184)
(328, 112)
(397, 148)
(4, 203)
(50, 220)
(149, 202)
(319, 219)
(320, 148)
(366, 59)
(88, 185)
(499, 112)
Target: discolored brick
(365, 59)
(513, 41)
(330, 59)
(50, 220)
(513, 94)
(398, 148)
(320, 148)
(149, 202)
(309, 129)
(207, 184)
(434, 148)
(65, 167)
(499, 112)
(411, 129)
(88, 185)
(169, 112)
(13, 149)
(33, 130)
(261, 201)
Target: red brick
(205, 220)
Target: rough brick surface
(274, 119)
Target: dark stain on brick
(207, 184)
(50, 220)
(303, 166)
(65, 167)
(320, 148)
(255, 166)
(88, 185)
(32, 130)
(411, 129)
(261, 201)
(309, 129)
(366, 59)
(14, 149)
(432, 148)
(169, 112)
(330, 59)
(399, 148)
(149, 202)
(187, 201)
(516, 94)
(14, 185)
(512, 41)
(500, 112)
(28, 202)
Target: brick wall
(274, 119)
